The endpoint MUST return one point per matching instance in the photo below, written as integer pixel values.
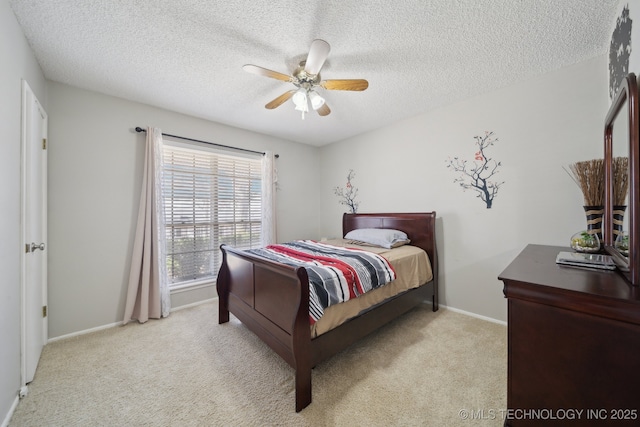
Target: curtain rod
(139, 129)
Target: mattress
(412, 267)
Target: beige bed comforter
(412, 267)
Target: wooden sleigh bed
(272, 299)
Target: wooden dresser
(573, 344)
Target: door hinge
(44, 311)
(44, 143)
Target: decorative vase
(618, 220)
(594, 220)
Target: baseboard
(113, 325)
(477, 316)
(5, 423)
(84, 332)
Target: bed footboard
(272, 300)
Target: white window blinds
(209, 199)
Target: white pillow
(383, 237)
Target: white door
(34, 229)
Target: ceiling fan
(307, 79)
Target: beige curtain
(148, 294)
(269, 183)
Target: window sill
(190, 286)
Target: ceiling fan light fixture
(301, 101)
(316, 100)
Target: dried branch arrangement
(589, 176)
(620, 180)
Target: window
(210, 198)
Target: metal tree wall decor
(348, 195)
(477, 176)
(619, 51)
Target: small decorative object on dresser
(622, 244)
(583, 241)
(589, 176)
(620, 182)
(572, 259)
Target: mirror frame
(628, 266)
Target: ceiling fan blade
(353, 84)
(280, 100)
(317, 55)
(324, 110)
(254, 69)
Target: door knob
(34, 247)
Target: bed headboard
(420, 227)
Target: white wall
(18, 63)
(542, 125)
(95, 172)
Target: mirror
(622, 183)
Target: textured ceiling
(417, 55)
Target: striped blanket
(335, 274)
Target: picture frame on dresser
(621, 139)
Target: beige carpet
(186, 370)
